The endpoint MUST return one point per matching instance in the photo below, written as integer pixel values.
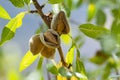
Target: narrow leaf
(40, 63)
(3, 13)
(10, 29)
(80, 67)
(65, 72)
(17, 3)
(73, 78)
(106, 71)
(108, 44)
(70, 4)
(40, 68)
(116, 13)
(66, 38)
(115, 29)
(27, 60)
(52, 68)
(99, 58)
(70, 55)
(81, 76)
(78, 53)
(27, 1)
(91, 12)
(100, 18)
(78, 3)
(13, 75)
(68, 11)
(55, 1)
(93, 31)
(61, 78)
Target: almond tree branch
(45, 18)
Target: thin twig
(33, 11)
(45, 18)
(62, 57)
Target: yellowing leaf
(70, 55)
(16, 22)
(13, 75)
(73, 78)
(3, 13)
(66, 38)
(59, 65)
(91, 11)
(64, 78)
(27, 60)
(61, 78)
(10, 29)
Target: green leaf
(52, 68)
(68, 11)
(55, 1)
(10, 29)
(69, 4)
(91, 11)
(118, 53)
(115, 29)
(17, 3)
(40, 63)
(27, 60)
(68, 7)
(108, 43)
(40, 68)
(27, 1)
(70, 55)
(80, 67)
(93, 31)
(80, 70)
(78, 3)
(116, 13)
(100, 18)
(7, 34)
(4, 14)
(65, 72)
(107, 71)
(99, 58)
(78, 53)
(80, 76)
(92, 1)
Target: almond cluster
(46, 43)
